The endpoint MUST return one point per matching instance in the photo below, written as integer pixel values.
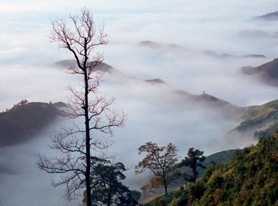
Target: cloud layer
(184, 29)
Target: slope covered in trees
(250, 178)
(261, 120)
(25, 120)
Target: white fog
(194, 46)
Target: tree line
(249, 178)
(162, 162)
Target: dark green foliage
(249, 179)
(196, 191)
(266, 132)
(178, 198)
(194, 159)
(220, 157)
(107, 188)
(136, 195)
(259, 118)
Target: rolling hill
(202, 101)
(259, 120)
(249, 178)
(101, 66)
(273, 16)
(219, 157)
(25, 120)
(267, 72)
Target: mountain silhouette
(25, 120)
(267, 72)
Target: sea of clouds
(190, 37)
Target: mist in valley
(192, 47)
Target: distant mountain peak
(273, 16)
(163, 46)
(101, 66)
(150, 44)
(209, 97)
(254, 56)
(25, 120)
(216, 55)
(267, 72)
(155, 81)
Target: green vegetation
(250, 178)
(266, 132)
(107, 187)
(219, 157)
(194, 159)
(260, 118)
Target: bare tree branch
(76, 145)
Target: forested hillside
(261, 120)
(25, 119)
(250, 178)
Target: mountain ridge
(26, 119)
(268, 72)
(259, 118)
(272, 16)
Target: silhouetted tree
(80, 38)
(107, 188)
(161, 162)
(193, 160)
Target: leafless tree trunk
(75, 145)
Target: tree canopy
(249, 178)
(161, 162)
(106, 184)
(194, 159)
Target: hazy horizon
(231, 28)
(194, 46)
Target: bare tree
(161, 162)
(81, 38)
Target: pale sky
(218, 26)
(182, 29)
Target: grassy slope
(22, 122)
(257, 119)
(269, 70)
(219, 157)
(250, 178)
